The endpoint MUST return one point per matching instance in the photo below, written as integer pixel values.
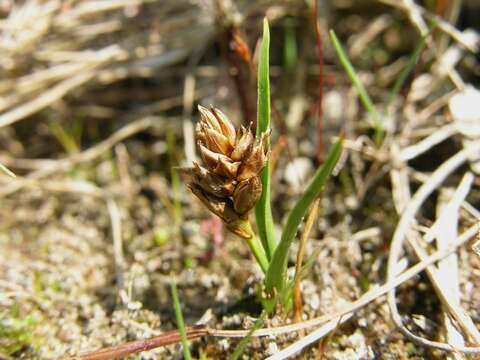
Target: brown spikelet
(228, 183)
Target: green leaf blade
(357, 83)
(248, 338)
(406, 71)
(263, 210)
(276, 275)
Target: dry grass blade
(297, 293)
(7, 171)
(88, 155)
(426, 144)
(116, 224)
(310, 338)
(52, 48)
(403, 227)
(445, 278)
(47, 98)
(410, 6)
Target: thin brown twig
(277, 148)
(133, 347)
(238, 56)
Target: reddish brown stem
(320, 132)
(239, 59)
(133, 347)
(276, 150)
(441, 7)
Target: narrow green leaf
(276, 275)
(290, 52)
(286, 294)
(180, 322)
(362, 92)
(263, 211)
(405, 72)
(244, 342)
(258, 252)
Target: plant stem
(320, 131)
(257, 249)
(180, 323)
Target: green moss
(16, 331)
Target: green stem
(180, 322)
(257, 249)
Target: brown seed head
(254, 160)
(227, 127)
(243, 143)
(219, 163)
(208, 181)
(228, 185)
(246, 195)
(223, 208)
(218, 124)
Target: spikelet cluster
(228, 184)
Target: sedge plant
(235, 179)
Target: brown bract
(228, 184)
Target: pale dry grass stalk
(52, 48)
(297, 293)
(63, 165)
(311, 338)
(118, 256)
(401, 233)
(416, 12)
